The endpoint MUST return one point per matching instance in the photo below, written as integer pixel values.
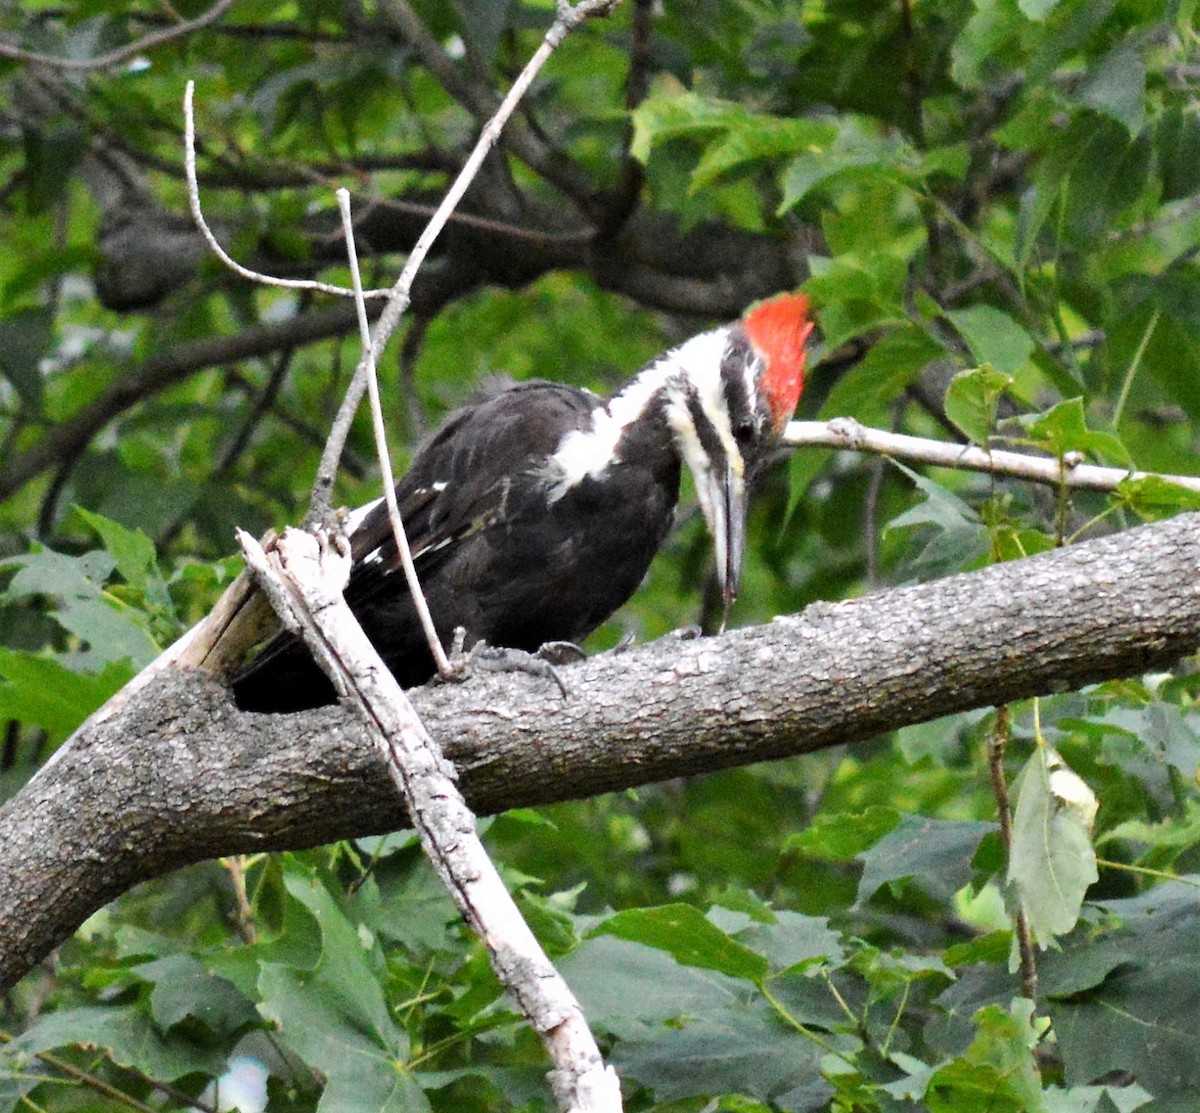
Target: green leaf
(669, 111)
(1177, 148)
(751, 138)
(972, 398)
(131, 550)
(334, 1015)
(377, 1086)
(128, 1035)
(958, 535)
(40, 691)
(986, 44)
(348, 966)
(795, 940)
(1166, 734)
(45, 572)
(869, 390)
(25, 338)
(858, 293)
(841, 837)
(1170, 354)
(997, 1072)
(414, 909)
(187, 995)
(942, 507)
(993, 337)
(936, 853)
(856, 144)
(685, 934)
(604, 968)
(742, 1051)
(1063, 428)
(111, 630)
(1052, 862)
(732, 135)
(1128, 999)
(1116, 86)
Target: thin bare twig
(121, 54)
(381, 448)
(1072, 473)
(193, 192)
(243, 916)
(304, 580)
(997, 744)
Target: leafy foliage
(994, 209)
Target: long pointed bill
(726, 503)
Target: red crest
(778, 329)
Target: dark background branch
(179, 775)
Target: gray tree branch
(178, 774)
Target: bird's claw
(492, 658)
(561, 653)
(627, 642)
(684, 633)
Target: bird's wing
(464, 480)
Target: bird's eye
(743, 432)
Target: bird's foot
(493, 658)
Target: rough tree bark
(179, 775)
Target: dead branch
(304, 579)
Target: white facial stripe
(696, 362)
(694, 455)
(710, 392)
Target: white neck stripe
(695, 364)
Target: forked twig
(569, 17)
(193, 192)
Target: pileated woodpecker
(534, 514)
